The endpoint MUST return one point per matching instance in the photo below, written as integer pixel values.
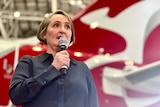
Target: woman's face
(58, 26)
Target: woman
(38, 81)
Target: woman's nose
(62, 29)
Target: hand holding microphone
(63, 46)
(61, 59)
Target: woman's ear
(44, 36)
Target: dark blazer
(36, 83)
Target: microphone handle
(63, 70)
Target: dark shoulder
(30, 57)
(79, 63)
(26, 59)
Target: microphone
(63, 46)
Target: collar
(45, 56)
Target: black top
(36, 83)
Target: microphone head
(63, 43)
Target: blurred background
(117, 39)
(20, 18)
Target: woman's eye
(56, 25)
(68, 27)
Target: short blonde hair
(45, 22)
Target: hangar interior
(20, 18)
